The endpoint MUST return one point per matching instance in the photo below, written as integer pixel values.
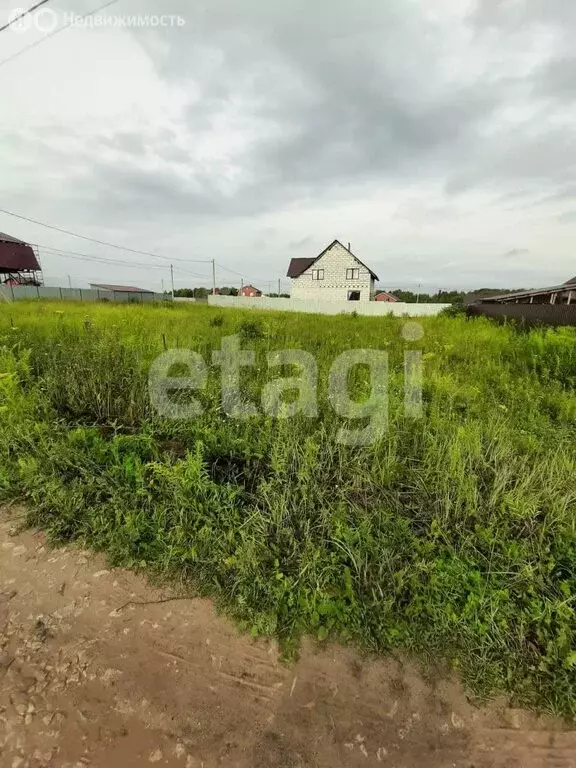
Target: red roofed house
(18, 262)
(249, 290)
(385, 296)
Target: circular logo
(412, 331)
(46, 20)
(23, 24)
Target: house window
(317, 274)
(352, 274)
(353, 295)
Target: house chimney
(348, 246)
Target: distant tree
(494, 291)
(202, 293)
(447, 297)
(407, 296)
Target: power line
(233, 271)
(56, 32)
(24, 13)
(102, 242)
(170, 259)
(86, 257)
(99, 259)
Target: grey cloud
(561, 195)
(513, 15)
(557, 79)
(126, 143)
(564, 193)
(368, 136)
(138, 193)
(131, 193)
(161, 145)
(568, 217)
(295, 245)
(339, 97)
(332, 102)
(546, 158)
(332, 98)
(174, 154)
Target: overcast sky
(437, 137)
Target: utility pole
(418, 293)
(172, 279)
(278, 287)
(241, 284)
(213, 277)
(70, 282)
(269, 287)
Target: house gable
(385, 296)
(336, 274)
(299, 266)
(250, 290)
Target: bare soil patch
(171, 683)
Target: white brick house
(335, 275)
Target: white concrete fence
(374, 308)
(328, 307)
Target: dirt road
(93, 674)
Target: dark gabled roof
(298, 266)
(9, 239)
(16, 255)
(572, 281)
(120, 288)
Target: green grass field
(452, 538)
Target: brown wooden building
(18, 263)
(557, 294)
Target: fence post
(80, 289)
(60, 289)
(38, 291)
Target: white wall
(328, 307)
(335, 286)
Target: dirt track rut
(86, 682)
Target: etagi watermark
(231, 358)
(47, 20)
